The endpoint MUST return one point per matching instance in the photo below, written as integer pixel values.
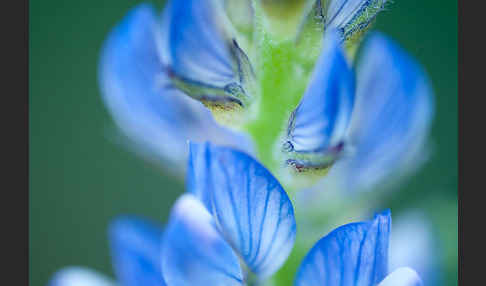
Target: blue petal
(194, 252)
(252, 209)
(198, 180)
(79, 276)
(321, 119)
(196, 46)
(402, 277)
(137, 92)
(392, 115)
(352, 16)
(136, 251)
(351, 255)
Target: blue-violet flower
(236, 226)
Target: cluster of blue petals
(371, 124)
(374, 119)
(236, 220)
(137, 89)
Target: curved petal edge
(195, 253)
(353, 254)
(250, 206)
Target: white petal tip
(404, 276)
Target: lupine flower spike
(158, 75)
(278, 94)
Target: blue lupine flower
(317, 126)
(249, 206)
(136, 248)
(354, 254)
(152, 69)
(392, 119)
(375, 132)
(252, 218)
(196, 253)
(141, 97)
(202, 57)
(236, 224)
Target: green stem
(281, 88)
(283, 70)
(282, 82)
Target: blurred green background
(79, 179)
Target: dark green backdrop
(79, 179)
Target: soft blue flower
(393, 112)
(249, 204)
(245, 204)
(317, 126)
(236, 224)
(202, 56)
(354, 254)
(247, 211)
(150, 63)
(248, 216)
(371, 134)
(135, 247)
(136, 88)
